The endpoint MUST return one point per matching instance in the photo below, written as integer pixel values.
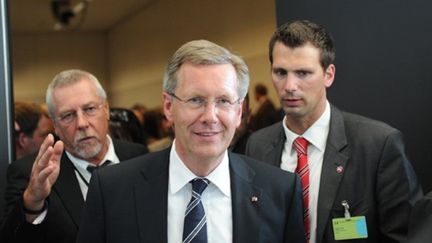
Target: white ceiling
(35, 16)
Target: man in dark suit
(196, 191)
(45, 193)
(357, 166)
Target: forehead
(75, 95)
(213, 79)
(306, 54)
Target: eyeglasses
(71, 116)
(196, 103)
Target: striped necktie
(195, 223)
(300, 145)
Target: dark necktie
(195, 223)
(300, 145)
(93, 168)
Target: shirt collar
(316, 134)
(180, 175)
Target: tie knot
(300, 145)
(199, 185)
(91, 168)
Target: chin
(208, 151)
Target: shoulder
(268, 133)
(361, 125)
(150, 163)
(265, 173)
(129, 149)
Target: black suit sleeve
(397, 189)
(14, 227)
(420, 224)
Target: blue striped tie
(195, 223)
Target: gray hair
(68, 78)
(204, 52)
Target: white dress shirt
(317, 136)
(216, 200)
(81, 166)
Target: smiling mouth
(206, 134)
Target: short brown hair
(300, 32)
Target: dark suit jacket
(129, 203)
(65, 202)
(377, 179)
(420, 224)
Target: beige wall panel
(140, 47)
(259, 67)
(38, 57)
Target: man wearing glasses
(196, 191)
(46, 192)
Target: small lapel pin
(339, 169)
(254, 199)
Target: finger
(47, 177)
(48, 141)
(57, 152)
(58, 147)
(50, 160)
(43, 161)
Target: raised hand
(44, 174)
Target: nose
(82, 120)
(209, 114)
(290, 83)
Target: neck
(202, 167)
(299, 125)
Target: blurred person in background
(158, 129)
(139, 110)
(32, 125)
(124, 125)
(264, 115)
(242, 133)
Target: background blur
(127, 43)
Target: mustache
(81, 135)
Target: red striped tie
(300, 145)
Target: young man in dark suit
(196, 191)
(45, 193)
(357, 169)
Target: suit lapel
(331, 175)
(151, 198)
(68, 190)
(245, 212)
(273, 151)
(67, 187)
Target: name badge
(349, 228)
